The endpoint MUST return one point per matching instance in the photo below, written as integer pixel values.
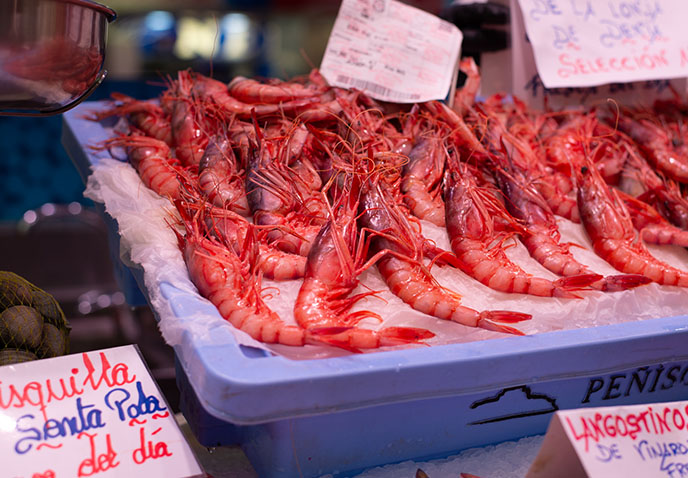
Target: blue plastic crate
(340, 415)
(77, 134)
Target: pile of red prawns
(300, 180)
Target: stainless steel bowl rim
(107, 11)
(30, 99)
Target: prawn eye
(584, 169)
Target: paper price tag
(587, 43)
(92, 414)
(391, 51)
(616, 442)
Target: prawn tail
(403, 335)
(353, 339)
(505, 316)
(494, 327)
(577, 282)
(621, 282)
(494, 320)
(333, 336)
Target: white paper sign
(93, 414)
(586, 43)
(528, 86)
(391, 51)
(649, 441)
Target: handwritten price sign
(94, 414)
(392, 51)
(644, 440)
(587, 43)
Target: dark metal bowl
(51, 54)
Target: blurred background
(152, 39)
(55, 238)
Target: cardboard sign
(528, 85)
(92, 414)
(641, 440)
(585, 43)
(392, 51)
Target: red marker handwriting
(117, 375)
(46, 474)
(41, 393)
(48, 446)
(649, 421)
(97, 462)
(571, 65)
(149, 449)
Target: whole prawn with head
(280, 198)
(643, 182)
(336, 259)
(478, 225)
(232, 229)
(220, 178)
(607, 221)
(154, 163)
(662, 144)
(190, 122)
(230, 281)
(398, 248)
(245, 97)
(421, 182)
(540, 229)
(144, 115)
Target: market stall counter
(300, 415)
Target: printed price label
(643, 440)
(91, 414)
(587, 43)
(392, 51)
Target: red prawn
(464, 98)
(152, 160)
(610, 228)
(334, 263)
(421, 182)
(144, 115)
(400, 261)
(641, 181)
(219, 176)
(190, 123)
(667, 153)
(278, 196)
(541, 233)
(653, 228)
(472, 215)
(230, 282)
(232, 229)
(215, 92)
(251, 91)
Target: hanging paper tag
(616, 442)
(587, 43)
(391, 51)
(91, 414)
